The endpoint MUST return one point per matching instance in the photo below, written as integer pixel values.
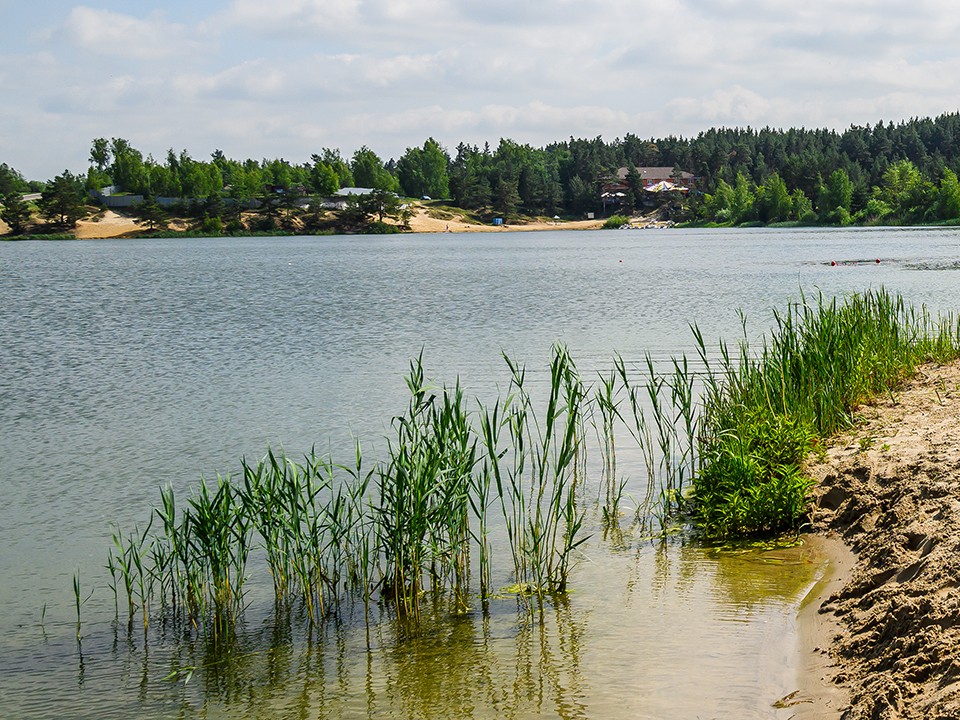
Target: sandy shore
(422, 222)
(890, 490)
(112, 224)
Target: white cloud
(291, 16)
(254, 80)
(728, 106)
(113, 34)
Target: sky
(286, 78)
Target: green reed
(219, 539)
(422, 493)
(607, 402)
(126, 564)
(77, 600)
(533, 464)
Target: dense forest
(887, 173)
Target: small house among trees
(625, 189)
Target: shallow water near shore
(132, 364)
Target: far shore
(112, 224)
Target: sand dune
(109, 225)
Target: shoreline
(111, 224)
(114, 225)
(818, 697)
(883, 639)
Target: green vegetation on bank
(904, 173)
(615, 221)
(763, 411)
(506, 490)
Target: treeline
(894, 173)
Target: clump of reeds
(663, 420)
(422, 492)
(532, 460)
(408, 525)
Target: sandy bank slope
(891, 488)
(109, 225)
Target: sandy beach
(111, 224)
(424, 223)
(890, 628)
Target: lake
(129, 365)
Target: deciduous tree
(773, 200)
(423, 171)
(369, 171)
(835, 197)
(948, 197)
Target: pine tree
(63, 201)
(15, 212)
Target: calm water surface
(130, 365)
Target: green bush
(263, 223)
(380, 228)
(752, 482)
(211, 226)
(615, 222)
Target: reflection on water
(652, 630)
